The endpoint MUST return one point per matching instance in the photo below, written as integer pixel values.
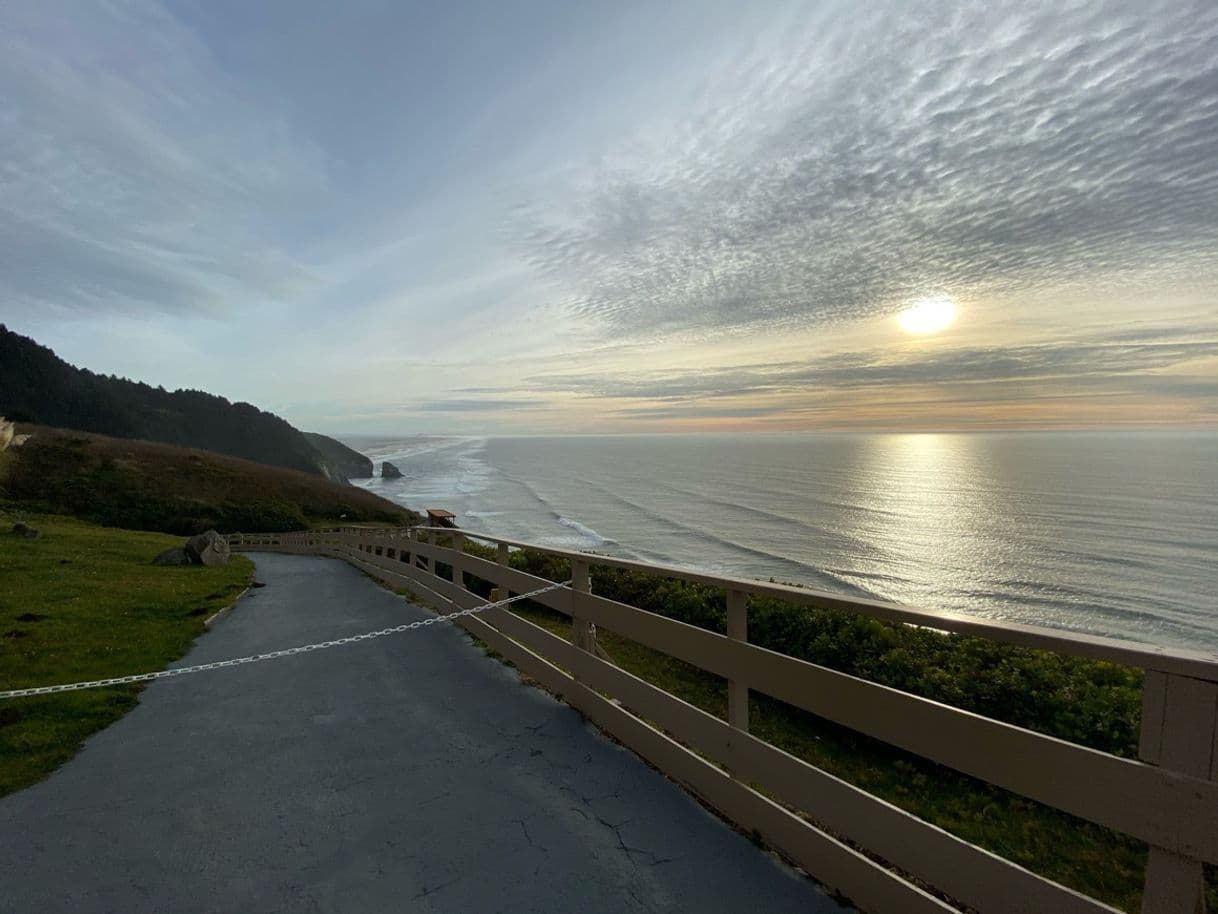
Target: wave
(810, 499)
(585, 531)
(1012, 546)
(588, 535)
(820, 576)
(537, 496)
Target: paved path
(409, 773)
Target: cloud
(480, 406)
(137, 175)
(881, 369)
(579, 197)
(700, 411)
(873, 155)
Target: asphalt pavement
(409, 773)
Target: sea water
(1112, 534)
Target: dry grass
(144, 485)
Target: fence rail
(1169, 798)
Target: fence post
(583, 635)
(738, 630)
(501, 558)
(1179, 732)
(458, 547)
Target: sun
(927, 315)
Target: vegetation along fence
(881, 856)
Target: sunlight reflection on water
(1107, 533)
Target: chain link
(273, 655)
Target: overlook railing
(1168, 799)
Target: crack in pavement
(436, 888)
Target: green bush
(1090, 702)
(262, 517)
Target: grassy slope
(84, 603)
(144, 485)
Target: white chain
(272, 655)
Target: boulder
(208, 548)
(27, 531)
(175, 556)
(389, 471)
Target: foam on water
(1110, 534)
(585, 531)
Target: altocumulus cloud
(542, 191)
(883, 151)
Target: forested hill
(38, 386)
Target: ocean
(1111, 534)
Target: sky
(567, 217)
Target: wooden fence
(1168, 799)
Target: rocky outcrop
(8, 436)
(208, 548)
(329, 471)
(389, 471)
(338, 462)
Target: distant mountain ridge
(38, 386)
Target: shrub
(1090, 702)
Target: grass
(84, 602)
(144, 485)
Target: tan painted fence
(1169, 798)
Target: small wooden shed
(438, 517)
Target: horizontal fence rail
(1168, 798)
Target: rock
(389, 471)
(208, 548)
(339, 462)
(27, 531)
(175, 556)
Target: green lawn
(84, 602)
